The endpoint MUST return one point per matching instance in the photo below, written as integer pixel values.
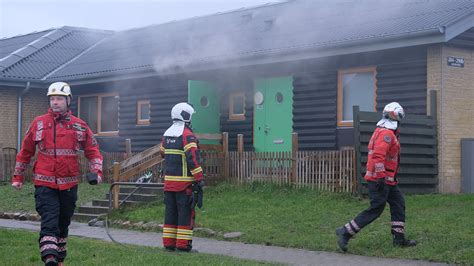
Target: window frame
(340, 91)
(232, 116)
(143, 122)
(99, 112)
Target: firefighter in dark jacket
(183, 179)
(382, 167)
(58, 135)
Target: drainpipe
(20, 101)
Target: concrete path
(235, 249)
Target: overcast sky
(26, 16)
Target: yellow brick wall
(455, 88)
(34, 103)
(8, 111)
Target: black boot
(400, 240)
(50, 260)
(342, 238)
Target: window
(237, 106)
(143, 112)
(88, 111)
(355, 87)
(100, 112)
(204, 101)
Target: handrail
(138, 157)
(116, 204)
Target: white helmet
(393, 111)
(59, 89)
(182, 112)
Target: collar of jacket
(60, 117)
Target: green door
(205, 100)
(273, 114)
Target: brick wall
(8, 111)
(455, 88)
(34, 103)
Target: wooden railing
(135, 166)
(150, 160)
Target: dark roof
(273, 31)
(35, 56)
(9, 45)
(292, 30)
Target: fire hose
(142, 182)
(138, 186)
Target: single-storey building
(265, 72)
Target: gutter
(20, 102)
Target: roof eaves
(458, 26)
(109, 76)
(11, 82)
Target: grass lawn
(23, 200)
(303, 218)
(21, 248)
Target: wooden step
(105, 203)
(93, 209)
(142, 190)
(84, 217)
(138, 197)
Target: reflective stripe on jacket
(182, 158)
(58, 139)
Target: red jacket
(181, 161)
(384, 156)
(58, 138)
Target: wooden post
(225, 149)
(357, 160)
(239, 160)
(116, 178)
(128, 147)
(240, 143)
(294, 153)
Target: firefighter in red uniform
(58, 135)
(183, 179)
(382, 167)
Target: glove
(94, 178)
(17, 185)
(380, 184)
(197, 194)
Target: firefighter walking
(183, 179)
(58, 136)
(382, 167)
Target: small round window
(204, 101)
(279, 97)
